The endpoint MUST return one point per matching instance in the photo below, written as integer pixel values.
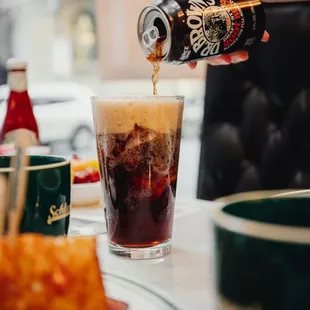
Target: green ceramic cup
(47, 207)
(262, 252)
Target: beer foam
(161, 114)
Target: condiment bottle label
(17, 81)
(11, 136)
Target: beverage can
(191, 30)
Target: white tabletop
(186, 274)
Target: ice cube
(162, 153)
(137, 147)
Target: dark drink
(143, 190)
(190, 30)
(138, 144)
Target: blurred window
(84, 38)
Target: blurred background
(79, 48)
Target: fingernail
(226, 58)
(192, 65)
(266, 37)
(244, 55)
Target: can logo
(213, 27)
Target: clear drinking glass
(138, 145)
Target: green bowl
(262, 251)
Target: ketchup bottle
(19, 115)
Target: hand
(227, 59)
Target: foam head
(120, 115)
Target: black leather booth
(256, 129)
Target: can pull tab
(150, 36)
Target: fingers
(239, 56)
(233, 58)
(227, 59)
(193, 65)
(221, 60)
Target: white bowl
(86, 195)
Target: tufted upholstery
(256, 129)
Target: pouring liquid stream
(155, 59)
(156, 69)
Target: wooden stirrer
(18, 185)
(3, 202)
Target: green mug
(48, 196)
(262, 252)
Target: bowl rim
(85, 184)
(63, 162)
(256, 229)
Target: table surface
(184, 276)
